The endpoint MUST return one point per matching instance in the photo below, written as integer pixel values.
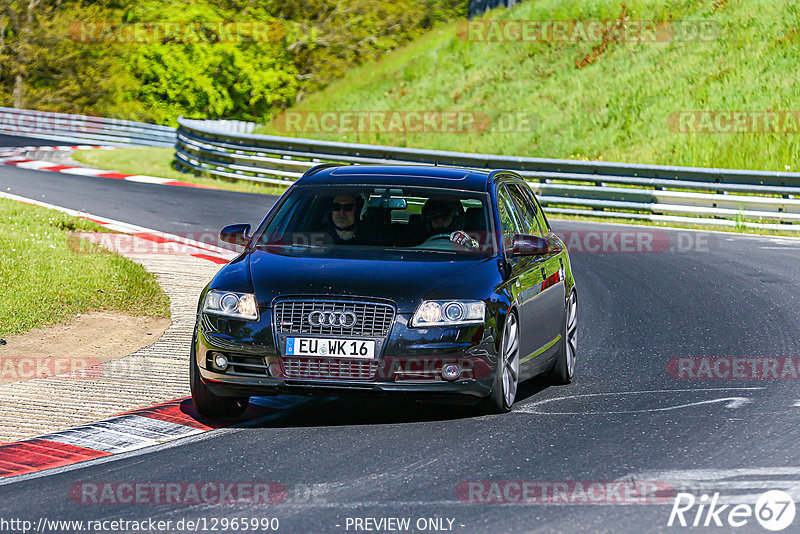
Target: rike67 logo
(774, 510)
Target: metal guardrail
(229, 126)
(100, 130)
(656, 192)
(72, 128)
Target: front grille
(329, 368)
(373, 320)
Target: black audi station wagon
(418, 281)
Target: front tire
(206, 402)
(564, 368)
(506, 377)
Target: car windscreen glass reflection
(380, 222)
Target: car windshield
(380, 221)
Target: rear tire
(564, 367)
(506, 376)
(206, 402)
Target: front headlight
(230, 304)
(449, 313)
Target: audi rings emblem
(332, 318)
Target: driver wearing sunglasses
(344, 215)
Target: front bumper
(409, 363)
(230, 386)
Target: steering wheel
(438, 236)
(437, 241)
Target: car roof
(409, 175)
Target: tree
(45, 66)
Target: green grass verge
(616, 109)
(157, 161)
(44, 280)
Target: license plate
(334, 348)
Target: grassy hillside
(616, 108)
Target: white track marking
(83, 171)
(172, 441)
(125, 227)
(147, 179)
(35, 164)
(8, 156)
(731, 402)
(121, 434)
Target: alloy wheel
(510, 359)
(571, 329)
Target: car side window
(508, 221)
(540, 215)
(526, 207)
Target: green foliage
(336, 35)
(69, 76)
(223, 80)
(48, 62)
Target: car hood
(405, 280)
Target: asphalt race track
(15, 141)
(623, 418)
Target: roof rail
(316, 168)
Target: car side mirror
(529, 245)
(235, 234)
